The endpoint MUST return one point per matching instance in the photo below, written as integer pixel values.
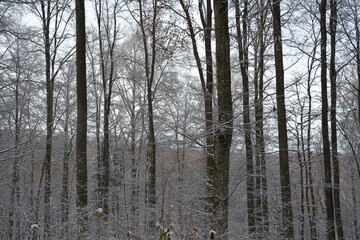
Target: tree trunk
(259, 118)
(243, 60)
(300, 155)
(14, 220)
(308, 167)
(325, 128)
(334, 151)
(288, 228)
(151, 152)
(355, 217)
(65, 201)
(207, 90)
(81, 133)
(223, 132)
(46, 18)
(206, 19)
(357, 56)
(134, 163)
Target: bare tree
(288, 228)
(260, 46)
(333, 119)
(54, 19)
(206, 81)
(242, 41)
(107, 25)
(325, 128)
(144, 22)
(223, 131)
(81, 132)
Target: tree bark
(334, 151)
(223, 132)
(206, 20)
(325, 128)
(288, 228)
(81, 133)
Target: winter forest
(179, 119)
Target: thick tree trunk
(223, 133)
(288, 228)
(81, 133)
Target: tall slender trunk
(207, 91)
(65, 204)
(355, 221)
(14, 221)
(308, 167)
(302, 164)
(81, 124)
(206, 20)
(259, 117)
(288, 228)
(46, 18)
(223, 133)
(325, 129)
(334, 151)
(243, 60)
(106, 46)
(134, 164)
(150, 75)
(97, 128)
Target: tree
(260, 46)
(81, 124)
(69, 76)
(54, 21)
(325, 128)
(333, 120)
(207, 89)
(288, 228)
(223, 129)
(106, 23)
(148, 28)
(132, 100)
(242, 41)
